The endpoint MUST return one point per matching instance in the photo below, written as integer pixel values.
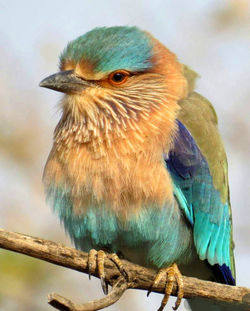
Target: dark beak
(66, 82)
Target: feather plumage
(140, 169)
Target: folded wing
(198, 166)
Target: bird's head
(114, 78)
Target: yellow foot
(97, 258)
(172, 273)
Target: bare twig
(141, 278)
(61, 303)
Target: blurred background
(213, 37)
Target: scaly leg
(97, 258)
(172, 273)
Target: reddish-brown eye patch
(118, 77)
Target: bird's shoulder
(199, 117)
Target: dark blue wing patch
(223, 274)
(185, 159)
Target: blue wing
(201, 203)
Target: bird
(138, 168)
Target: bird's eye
(118, 77)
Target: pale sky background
(211, 36)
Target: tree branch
(62, 303)
(140, 277)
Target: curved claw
(101, 255)
(150, 290)
(172, 273)
(97, 259)
(104, 285)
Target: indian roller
(138, 168)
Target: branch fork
(139, 277)
(64, 304)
